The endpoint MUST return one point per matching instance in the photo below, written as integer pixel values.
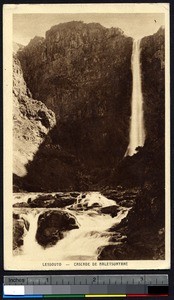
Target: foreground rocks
(142, 231)
(147, 245)
(20, 225)
(21, 204)
(111, 210)
(52, 225)
(53, 202)
(57, 200)
(139, 236)
(123, 197)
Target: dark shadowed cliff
(83, 73)
(153, 84)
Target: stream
(76, 244)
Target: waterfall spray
(137, 130)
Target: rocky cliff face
(153, 84)
(153, 79)
(146, 220)
(83, 73)
(148, 164)
(31, 122)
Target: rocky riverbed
(84, 226)
(74, 225)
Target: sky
(136, 25)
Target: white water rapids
(77, 244)
(137, 130)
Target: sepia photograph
(87, 136)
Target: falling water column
(137, 131)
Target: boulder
(16, 216)
(117, 237)
(52, 224)
(113, 195)
(20, 224)
(44, 197)
(21, 204)
(127, 203)
(65, 201)
(52, 202)
(18, 232)
(37, 203)
(94, 205)
(74, 194)
(26, 223)
(124, 251)
(111, 210)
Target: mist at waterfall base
(137, 130)
(78, 244)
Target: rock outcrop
(20, 225)
(51, 226)
(143, 230)
(31, 122)
(57, 200)
(110, 210)
(153, 84)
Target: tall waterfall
(137, 131)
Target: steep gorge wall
(83, 73)
(153, 79)
(148, 165)
(145, 223)
(31, 123)
(153, 84)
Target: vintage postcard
(86, 136)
